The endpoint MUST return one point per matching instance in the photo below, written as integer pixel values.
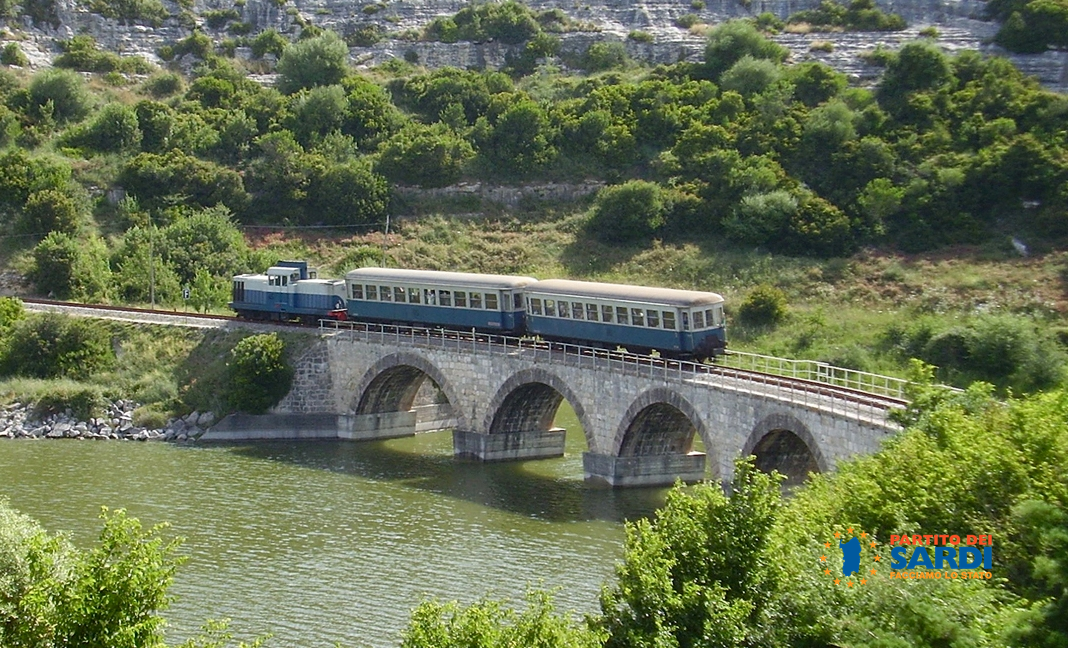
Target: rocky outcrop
(17, 421)
(959, 22)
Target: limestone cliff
(958, 21)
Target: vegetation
(860, 15)
(259, 374)
(1030, 26)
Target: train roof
(439, 278)
(645, 294)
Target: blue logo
(850, 556)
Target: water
(323, 542)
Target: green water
(323, 542)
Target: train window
(445, 297)
(576, 310)
(491, 301)
(563, 309)
(710, 318)
(535, 306)
(669, 320)
(461, 299)
(398, 295)
(550, 308)
(313, 274)
(430, 297)
(591, 312)
(718, 315)
(413, 295)
(698, 320)
(606, 313)
(476, 300)
(637, 317)
(517, 301)
(284, 282)
(652, 318)
(385, 294)
(294, 277)
(685, 321)
(621, 315)
(372, 293)
(357, 291)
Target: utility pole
(151, 263)
(385, 242)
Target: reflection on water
(318, 542)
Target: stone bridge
(640, 416)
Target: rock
(182, 437)
(54, 434)
(206, 419)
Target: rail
(806, 390)
(820, 372)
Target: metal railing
(820, 372)
(823, 388)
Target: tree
(50, 210)
(157, 180)
(259, 375)
(114, 129)
(67, 268)
(318, 61)
(51, 346)
(429, 156)
(317, 112)
(698, 574)
(60, 95)
(520, 140)
(22, 175)
(749, 76)
(630, 212)
(731, 41)
(347, 194)
(205, 240)
(916, 67)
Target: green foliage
(632, 211)
(509, 22)
(488, 624)
(163, 84)
(519, 141)
(67, 268)
(318, 61)
(640, 36)
(131, 11)
(114, 129)
(860, 15)
(259, 373)
(1030, 26)
(81, 53)
(764, 306)
(750, 76)
(605, 55)
(22, 175)
(60, 95)
(110, 595)
(50, 346)
(731, 41)
(269, 41)
(11, 311)
(205, 240)
(50, 210)
(158, 180)
(700, 572)
(217, 18)
(1004, 350)
(41, 12)
(12, 55)
(428, 156)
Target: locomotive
(676, 323)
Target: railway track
(420, 335)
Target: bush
(764, 306)
(318, 61)
(258, 373)
(605, 55)
(61, 94)
(12, 55)
(269, 41)
(52, 346)
(630, 212)
(66, 268)
(163, 85)
(50, 210)
(735, 39)
(750, 76)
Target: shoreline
(18, 421)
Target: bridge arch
(782, 442)
(528, 400)
(391, 384)
(659, 421)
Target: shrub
(163, 85)
(629, 212)
(735, 39)
(764, 306)
(639, 36)
(64, 92)
(269, 41)
(51, 346)
(259, 374)
(11, 311)
(12, 55)
(605, 55)
(50, 210)
(749, 76)
(67, 268)
(686, 21)
(322, 60)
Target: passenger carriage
(678, 322)
(432, 298)
(288, 291)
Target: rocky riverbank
(19, 421)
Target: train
(675, 323)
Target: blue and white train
(677, 323)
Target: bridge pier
(643, 470)
(509, 446)
(383, 425)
